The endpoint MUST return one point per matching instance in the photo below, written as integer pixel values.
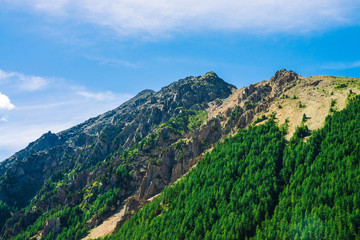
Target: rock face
(178, 158)
(48, 140)
(257, 97)
(52, 225)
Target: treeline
(321, 198)
(229, 193)
(94, 201)
(254, 186)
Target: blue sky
(64, 61)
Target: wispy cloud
(103, 96)
(3, 119)
(5, 75)
(32, 83)
(130, 17)
(113, 62)
(23, 82)
(5, 102)
(342, 65)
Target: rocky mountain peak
(47, 139)
(210, 75)
(194, 91)
(283, 76)
(209, 78)
(144, 93)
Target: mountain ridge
(147, 143)
(86, 144)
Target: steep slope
(218, 199)
(321, 197)
(92, 141)
(253, 186)
(63, 168)
(327, 94)
(72, 181)
(248, 105)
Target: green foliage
(236, 112)
(217, 200)
(73, 218)
(253, 186)
(195, 120)
(121, 171)
(301, 131)
(250, 105)
(5, 213)
(260, 119)
(351, 95)
(333, 102)
(301, 105)
(332, 105)
(273, 116)
(322, 197)
(94, 199)
(210, 74)
(340, 86)
(284, 127)
(344, 82)
(304, 118)
(185, 121)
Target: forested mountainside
(63, 185)
(254, 185)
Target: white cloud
(103, 96)
(5, 75)
(3, 119)
(23, 82)
(166, 16)
(32, 83)
(342, 65)
(5, 102)
(97, 96)
(114, 62)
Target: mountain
(63, 185)
(254, 185)
(84, 145)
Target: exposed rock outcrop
(52, 225)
